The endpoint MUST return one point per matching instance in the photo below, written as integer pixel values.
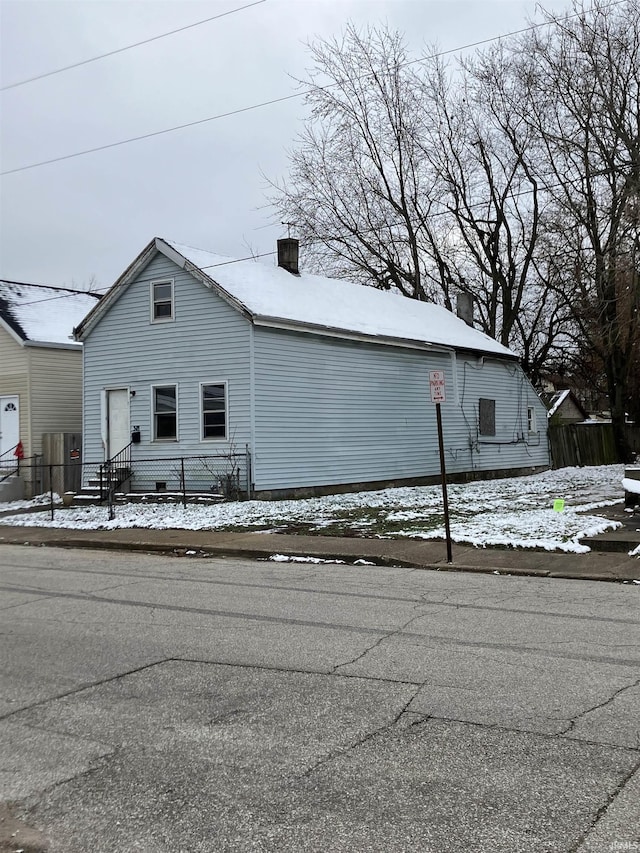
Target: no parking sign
(436, 384)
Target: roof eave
(386, 340)
(203, 277)
(76, 346)
(113, 294)
(12, 332)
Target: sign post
(439, 395)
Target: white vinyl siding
(208, 339)
(330, 411)
(315, 410)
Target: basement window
(487, 417)
(162, 308)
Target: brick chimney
(464, 308)
(288, 250)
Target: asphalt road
(155, 704)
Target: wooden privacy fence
(587, 444)
(63, 451)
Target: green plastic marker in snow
(558, 505)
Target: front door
(9, 425)
(118, 427)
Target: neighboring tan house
(40, 366)
(564, 407)
(325, 382)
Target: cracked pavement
(156, 704)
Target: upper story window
(165, 413)
(162, 307)
(531, 419)
(487, 417)
(214, 410)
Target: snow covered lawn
(514, 512)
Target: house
(324, 383)
(40, 367)
(564, 407)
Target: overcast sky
(88, 216)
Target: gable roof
(272, 296)
(38, 314)
(556, 399)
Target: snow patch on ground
(33, 503)
(283, 558)
(512, 512)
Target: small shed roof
(270, 295)
(41, 314)
(555, 401)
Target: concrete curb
(612, 568)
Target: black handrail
(14, 467)
(115, 471)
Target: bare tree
(414, 177)
(491, 191)
(356, 192)
(579, 96)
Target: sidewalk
(595, 565)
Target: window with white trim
(213, 400)
(531, 419)
(165, 413)
(162, 307)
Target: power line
(128, 47)
(280, 100)
(102, 290)
(150, 135)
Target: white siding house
(324, 382)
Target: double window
(162, 307)
(213, 411)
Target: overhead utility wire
(150, 135)
(103, 290)
(272, 101)
(128, 47)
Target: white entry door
(9, 424)
(118, 426)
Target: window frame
(154, 413)
(532, 424)
(224, 383)
(153, 301)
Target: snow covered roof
(270, 295)
(556, 401)
(37, 313)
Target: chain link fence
(226, 476)
(175, 479)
